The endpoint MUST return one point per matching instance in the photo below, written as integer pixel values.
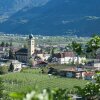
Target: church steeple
(31, 46)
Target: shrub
(3, 70)
(91, 91)
(46, 94)
(1, 89)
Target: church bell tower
(31, 46)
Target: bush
(1, 89)
(3, 70)
(46, 94)
(91, 91)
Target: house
(88, 75)
(71, 72)
(68, 57)
(77, 73)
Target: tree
(91, 91)
(93, 45)
(1, 89)
(7, 44)
(52, 52)
(10, 54)
(31, 62)
(11, 68)
(2, 44)
(3, 70)
(25, 46)
(50, 59)
(46, 94)
(68, 48)
(11, 44)
(77, 48)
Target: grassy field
(31, 79)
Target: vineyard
(31, 79)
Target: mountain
(55, 17)
(9, 7)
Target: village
(76, 64)
(49, 49)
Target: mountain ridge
(56, 17)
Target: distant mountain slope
(12, 6)
(56, 17)
(9, 7)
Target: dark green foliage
(25, 46)
(91, 91)
(2, 44)
(77, 48)
(60, 94)
(93, 45)
(49, 59)
(97, 79)
(10, 54)
(11, 68)
(1, 88)
(3, 70)
(52, 51)
(11, 44)
(46, 94)
(53, 71)
(7, 44)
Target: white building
(69, 57)
(97, 66)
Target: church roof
(30, 36)
(22, 51)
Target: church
(24, 54)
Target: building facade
(31, 46)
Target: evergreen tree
(52, 52)
(11, 44)
(7, 44)
(11, 67)
(2, 44)
(25, 46)
(10, 54)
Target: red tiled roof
(68, 54)
(64, 54)
(88, 73)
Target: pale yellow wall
(31, 47)
(41, 56)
